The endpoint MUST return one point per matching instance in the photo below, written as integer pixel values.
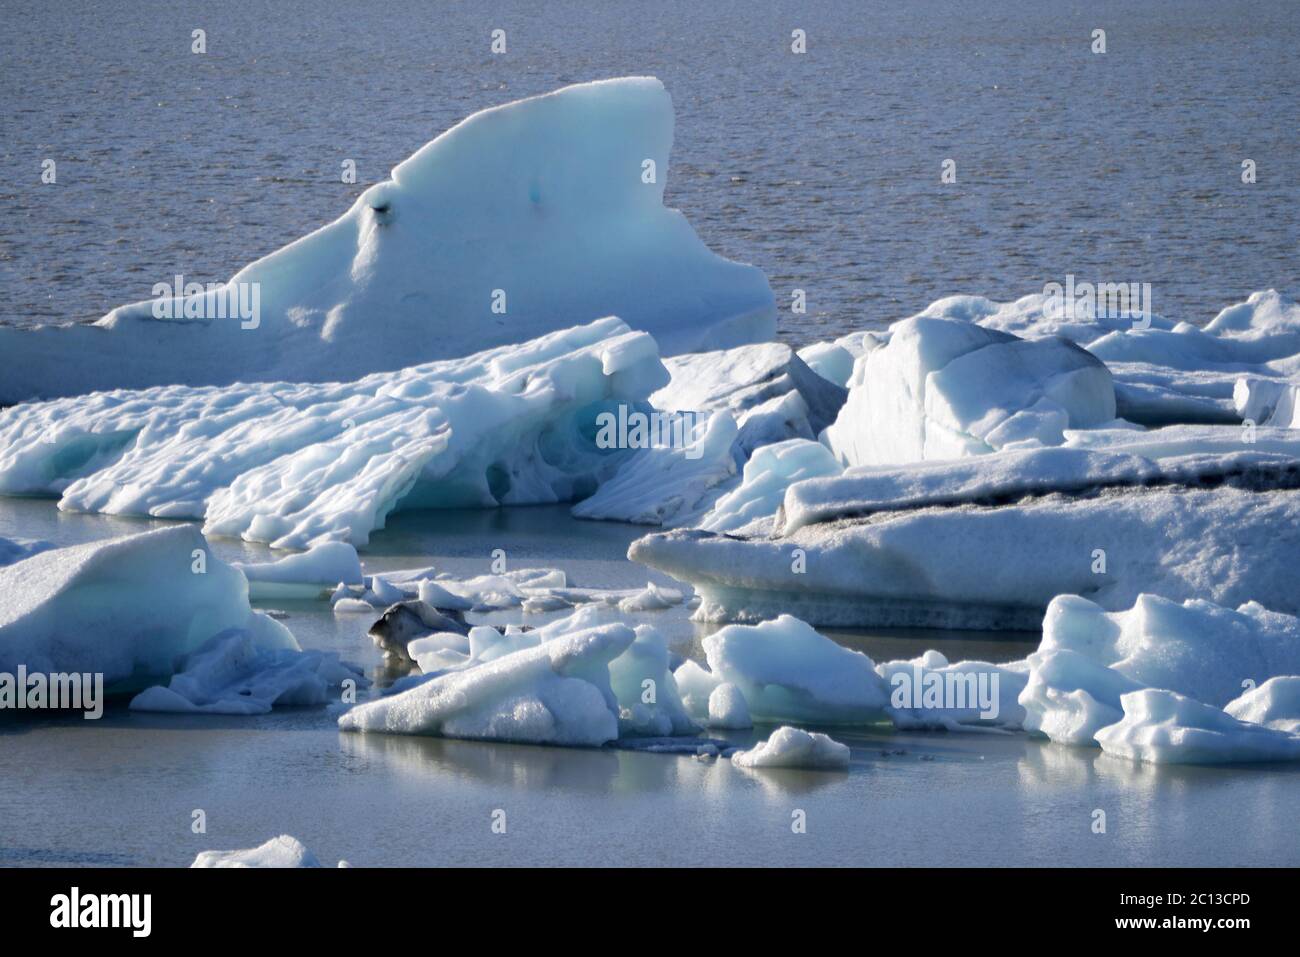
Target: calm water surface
(121, 790)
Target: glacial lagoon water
(122, 790)
(822, 169)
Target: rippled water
(821, 168)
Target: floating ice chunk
(311, 574)
(998, 566)
(1162, 727)
(557, 692)
(792, 748)
(127, 607)
(943, 389)
(232, 674)
(768, 473)
(1070, 697)
(788, 672)
(1196, 648)
(653, 598)
(1267, 319)
(282, 851)
(646, 692)
(353, 606)
(727, 708)
(432, 593)
(928, 692)
(16, 549)
(1041, 314)
(544, 199)
(296, 465)
(1274, 704)
(696, 685)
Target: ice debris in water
(794, 748)
(282, 851)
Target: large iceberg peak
(522, 219)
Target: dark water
(821, 168)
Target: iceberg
(1163, 727)
(1274, 704)
(518, 221)
(728, 709)
(297, 465)
(311, 574)
(794, 748)
(282, 851)
(556, 692)
(943, 389)
(126, 607)
(786, 671)
(1089, 659)
(232, 674)
(986, 541)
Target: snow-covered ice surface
(546, 200)
(297, 465)
(127, 608)
(988, 540)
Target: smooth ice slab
(521, 219)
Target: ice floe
(282, 851)
(542, 211)
(233, 674)
(942, 389)
(989, 540)
(556, 692)
(16, 549)
(298, 465)
(1162, 727)
(795, 748)
(786, 671)
(314, 573)
(126, 607)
